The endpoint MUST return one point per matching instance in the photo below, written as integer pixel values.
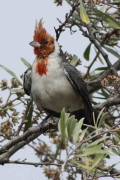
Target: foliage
(87, 149)
(77, 148)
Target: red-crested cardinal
(52, 82)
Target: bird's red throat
(41, 66)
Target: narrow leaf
(29, 117)
(105, 93)
(100, 114)
(80, 164)
(94, 151)
(101, 121)
(114, 133)
(100, 59)
(74, 60)
(81, 137)
(83, 14)
(98, 141)
(25, 62)
(11, 73)
(115, 151)
(108, 19)
(97, 97)
(87, 52)
(62, 124)
(71, 125)
(101, 69)
(11, 107)
(113, 52)
(97, 160)
(91, 150)
(77, 130)
(17, 90)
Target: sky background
(18, 19)
(17, 26)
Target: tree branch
(60, 28)
(48, 125)
(97, 45)
(109, 102)
(96, 84)
(89, 67)
(34, 164)
(51, 124)
(91, 37)
(14, 145)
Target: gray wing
(27, 81)
(79, 85)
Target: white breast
(53, 90)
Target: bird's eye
(46, 42)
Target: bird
(52, 82)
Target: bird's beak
(34, 44)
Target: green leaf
(112, 51)
(97, 160)
(99, 115)
(105, 93)
(101, 121)
(100, 93)
(92, 150)
(62, 121)
(74, 60)
(11, 73)
(62, 124)
(7, 108)
(114, 133)
(83, 14)
(17, 90)
(100, 59)
(80, 164)
(98, 141)
(115, 151)
(81, 137)
(77, 130)
(76, 16)
(25, 62)
(87, 52)
(101, 69)
(71, 126)
(108, 19)
(29, 117)
(97, 97)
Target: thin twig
(109, 102)
(89, 67)
(60, 28)
(48, 125)
(24, 119)
(8, 103)
(98, 46)
(96, 84)
(34, 164)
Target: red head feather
(40, 34)
(46, 42)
